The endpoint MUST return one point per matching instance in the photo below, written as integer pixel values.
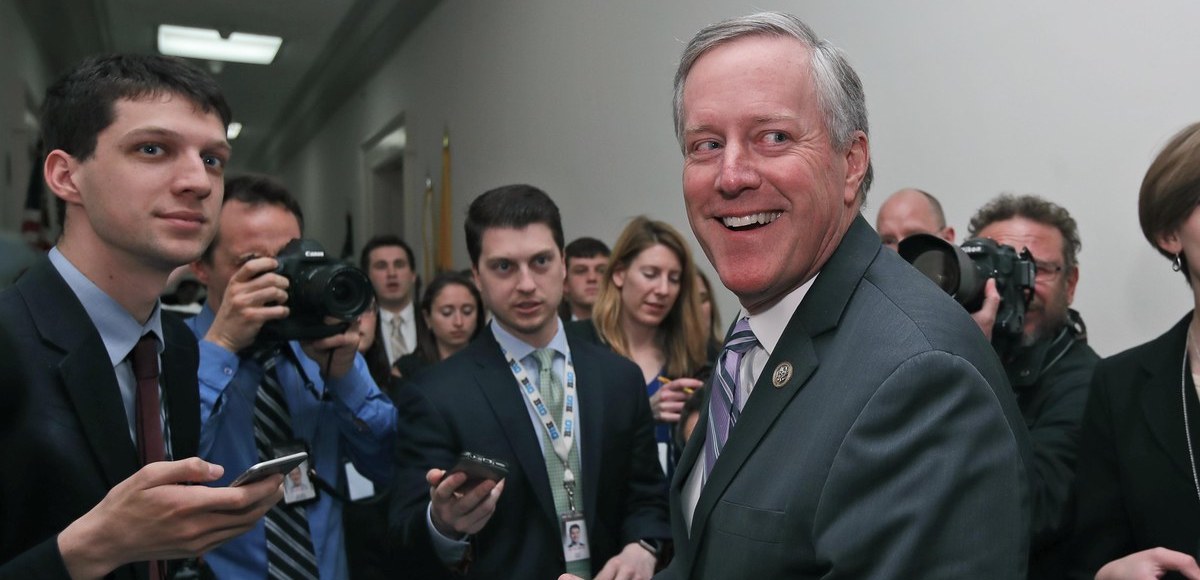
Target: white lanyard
(561, 440)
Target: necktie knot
(545, 358)
(742, 338)
(145, 357)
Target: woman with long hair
(451, 316)
(649, 312)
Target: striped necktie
(290, 551)
(723, 411)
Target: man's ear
(61, 172)
(858, 159)
(201, 270)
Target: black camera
(963, 273)
(318, 287)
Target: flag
(348, 244)
(445, 259)
(427, 226)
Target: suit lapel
(817, 314)
(181, 390)
(498, 386)
(592, 420)
(1161, 404)
(85, 371)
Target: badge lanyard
(563, 439)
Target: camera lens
(347, 293)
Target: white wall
(1067, 99)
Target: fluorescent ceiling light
(235, 129)
(207, 44)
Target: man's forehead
(516, 243)
(388, 252)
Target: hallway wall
(1068, 99)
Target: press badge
(298, 486)
(573, 529)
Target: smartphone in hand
(478, 468)
(280, 465)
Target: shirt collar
(519, 349)
(768, 325)
(406, 314)
(119, 330)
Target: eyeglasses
(1047, 270)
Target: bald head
(908, 212)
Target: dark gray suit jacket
(471, 402)
(895, 450)
(73, 445)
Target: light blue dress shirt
(347, 417)
(120, 332)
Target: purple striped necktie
(723, 410)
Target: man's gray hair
(839, 90)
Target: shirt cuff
(449, 551)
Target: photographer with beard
(1050, 367)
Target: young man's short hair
(256, 190)
(586, 248)
(383, 241)
(511, 206)
(82, 104)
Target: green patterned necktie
(551, 389)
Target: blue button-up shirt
(346, 417)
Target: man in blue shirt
(331, 405)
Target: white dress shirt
(408, 329)
(768, 327)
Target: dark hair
(586, 248)
(1171, 190)
(80, 104)
(511, 206)
(1031, 207)
(383, 241)
(256, 190)
(426, 341)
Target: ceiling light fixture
(235, 129)
(208, 44)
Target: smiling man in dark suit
(137, 150)
(858, 425)
(496, 399)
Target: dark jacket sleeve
(1102, 530)
(41, 562)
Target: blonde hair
(683, 341)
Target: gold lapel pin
(782, 374)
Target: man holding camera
(1051, 365)
(260, 399)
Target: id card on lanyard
(572, 528)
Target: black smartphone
(281, 465)
(478, 467)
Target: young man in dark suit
(570, 419)
(136, 152)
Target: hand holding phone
(478, 468)
(281, 465)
